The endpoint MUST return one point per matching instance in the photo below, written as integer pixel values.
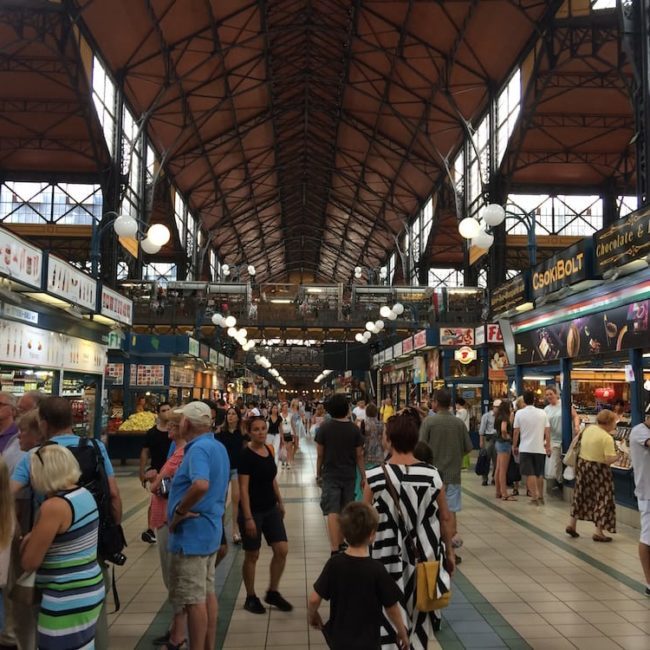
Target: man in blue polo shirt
(195, 512)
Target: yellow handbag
(426, 575)
(426, 571)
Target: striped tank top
(70, 580)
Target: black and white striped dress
(418, 487)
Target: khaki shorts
(191, 578)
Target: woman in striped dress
(62, 549)
(425, 517)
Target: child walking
(357, 587)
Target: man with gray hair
(29, 400)
(195, 514)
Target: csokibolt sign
(561, 270)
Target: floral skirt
(593, 495)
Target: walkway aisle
(523, 583)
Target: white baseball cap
(497, 402)
(198, 413)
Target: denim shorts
(503, 446)
(454, 500)
(335, 495)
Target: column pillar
(636, 387)
(565, 396)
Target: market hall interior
(257, 202)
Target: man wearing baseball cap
(487, 436)
(195, 512)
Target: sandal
(601, 538)
(515, 492)
(509, 497)
(571, 531)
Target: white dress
(418, 487)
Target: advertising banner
(493, 333)
(456, 337)
(116, 306)
(419, 370)
(465, 355)
(510, 295)
(397, 350)
(150, 375)
(479, 335)
(560, 270)
(626, 240)
(19, 260)
(69, 283)
(420, 340)
(407, 345)
(621, 328)
(115, 371)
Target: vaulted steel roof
(306, 132)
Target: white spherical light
(225, 269)
(159, 234)
(469, 227)
(359, 338)
(217, 319)
(369, 325)
(392, 315)
(243, 332)
(149, 247)
(384, 311)
(251, 270)
(125, 226)
(366, 336)
(483, 239)
(398, 308)
(494, 214)
(258, 358)
(379, 325)
(232, 332)
(231, 321)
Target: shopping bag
(513, 475)
(282, 455)
(549, 468)
(571, 457)
(482, 463)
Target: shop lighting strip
(592, 306)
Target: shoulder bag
(571, 457)
(426, 571)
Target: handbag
(427, 572)
(571, 457)
(482, 463)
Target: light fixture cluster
(392, 312)
(322, 376)
(263, 361)
(225, 269)
(157, 235)
(477, 229)
(240, 336)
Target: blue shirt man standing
(195, 512)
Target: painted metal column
(484, 355)
(636, 387)
(565, 396)
(519, 380)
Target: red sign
(407, 345)
(465, 355)
(420, 340)
(494, 333)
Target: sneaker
(254, 605)
(275, 598)
(148, 536)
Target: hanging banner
(509, 295)
(115, 371)
(420, 340)
(626, 240)
(19, 260)
(493, 333)
(622, 328)
(69, 283)
(397, 350)
(407, 345)
(116, 306)
(560, 270)
(479, 335)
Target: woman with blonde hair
(593, 493)
(62, 550)
(30, 434)
(7, 520)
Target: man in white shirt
(532, 440)
(359, 412)
(640, 457)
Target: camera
(165, 487)
(116, 558)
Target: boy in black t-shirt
(357, 587)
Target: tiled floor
(522, 584)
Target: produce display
(139, 422)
